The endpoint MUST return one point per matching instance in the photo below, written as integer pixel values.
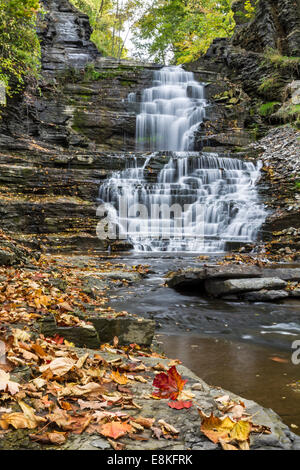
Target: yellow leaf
(241, 431)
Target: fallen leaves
(7, 385)
(115, 429)
(169, 384)
(59, 366)
(25, 420)
(180, 405)
(232, 434)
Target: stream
(196, 203)
(242, 347)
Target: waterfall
(193, 201)
(219, 195)
(171, 111)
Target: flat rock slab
(265, 295)
(186, 421)
(287, 274)
(120, 275)
(190, 278)
(217, 288)
(80, 336)
(128, 329)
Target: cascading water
(198, 201)
(170, 111)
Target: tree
(107, 18)
(180, 30)
(19, 44)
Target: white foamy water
(171, 111)
(198, 201)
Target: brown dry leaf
(60, 417)
(167, 427)
(79, 424)
(139, 378)
(226, 446)
(92, 405)
(32, 419)
(17, 420)
(80, 390)
(82, 360)
(8, 385)
(161, 367)
(145, 422)
(65, 306)
(54, 437)
(39, 350)
(116, 445)
(59, 366)
(258, 428)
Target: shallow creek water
(242, 347)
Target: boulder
(218, 288)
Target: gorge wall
(60, 140)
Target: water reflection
(246, 369)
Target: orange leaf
(180, 404)
(115, 429)
(170, 384)
(119, 378)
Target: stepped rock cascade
(171, 111)
(197, 201)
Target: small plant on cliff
(280, 61)
(19, 44)
(267, 109)
(270, 84)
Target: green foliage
(20, 48)
(290, 113)
(270, 83)
(280, 61)
(108, 19)
(267, 109)
(250, 8)
(181, 30)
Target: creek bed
(230, 344)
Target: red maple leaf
(170, 384)
(58, 339)
(180, 404)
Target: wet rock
(65, 36)
(294, 293)
(130, 277)
(217, 288)
(191, 278)
(265, 295)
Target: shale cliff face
(276, 25)
(58, 142)
(65, 37)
